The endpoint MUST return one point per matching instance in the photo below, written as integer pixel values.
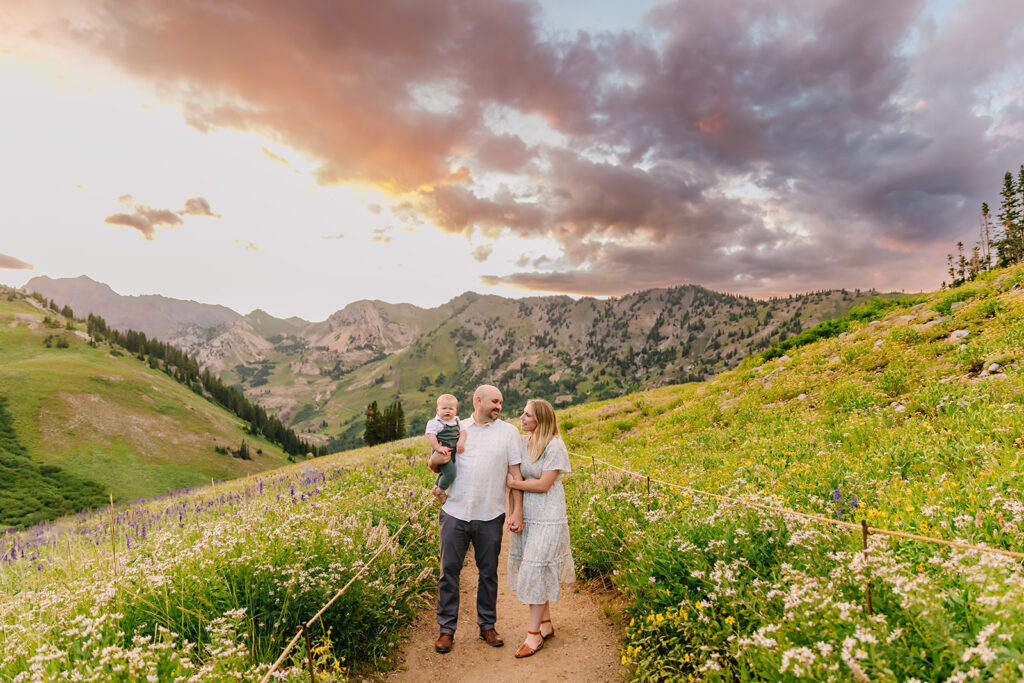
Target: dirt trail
(585, 646)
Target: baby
(444, 436)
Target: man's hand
(440, 456)
(515, 523)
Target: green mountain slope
(102, 421)
(911, 421)
(319, 377)
(568, 350)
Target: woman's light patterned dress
(540, 557)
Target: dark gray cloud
(761, 146)
(11, 263)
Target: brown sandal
(552, 634)
(525, 650)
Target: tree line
(383, 425)
(1000, 237)
(185, 369)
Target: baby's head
(447, 406)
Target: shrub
(893, 381)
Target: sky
(295, 157)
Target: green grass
(111, 420)
(904, 433)
(211, 584)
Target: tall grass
(210, 584)
(891, 423)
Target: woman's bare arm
(547, 479)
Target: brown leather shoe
(491, 637)
(527, 651)
(444, 643)
(550, 635)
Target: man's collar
(471, 421)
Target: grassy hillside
(904, 421)
(569, 350)
(105, 420)
(209, 584)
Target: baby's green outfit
(447, 434)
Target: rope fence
(302, 631)
(862, 527)
(303, 628)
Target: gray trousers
(456, 536)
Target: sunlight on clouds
(532, 128)
(438, 97)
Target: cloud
(483, 252)
(197, 206)
(752, 146)
(251, 247)
(146, 219)
(11, 263)
(275, 158)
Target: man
(475, 513)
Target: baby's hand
(460, 447)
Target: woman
(540, 558)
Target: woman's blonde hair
(547, 427)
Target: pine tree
(986, 236)
(1008, 246)
(961, 264)
(371, 433)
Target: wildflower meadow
(210, 584)
(903, 421)
(910, 421)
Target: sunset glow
(297, 157)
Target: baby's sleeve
(557, 457)
(434, 426)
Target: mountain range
(319, 376)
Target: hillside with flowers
(906, 414)
(910, 420)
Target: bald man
(475, 513)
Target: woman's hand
(510, 481)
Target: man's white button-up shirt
(478, 492)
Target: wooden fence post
(864, 540)
(309, 651)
